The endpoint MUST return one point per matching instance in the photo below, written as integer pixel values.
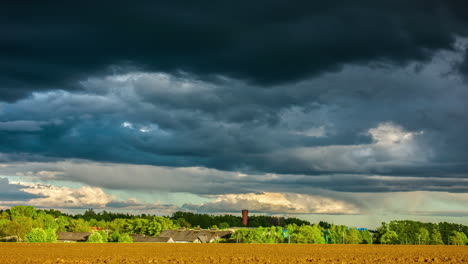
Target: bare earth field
(227, 253)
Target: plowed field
(227, 253)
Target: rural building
(195, 236)
(97, 228)
(72, 236)
(10, 239)
(150, 239)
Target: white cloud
(66, 197)
(275, 203)
(392, 146)
(388, 133)
(127, 125)
(50, 196)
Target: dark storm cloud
(14, 192)
(54, 44)
(317, 126)
(463, 66)
(325, 96)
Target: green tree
(62, 223)
(458, 238)
(366, 237)
(436, 238)
(183, 223)
(120, 237)
(423, 236)
(4, 224)
(224, 225)
(157, 224)
(324, 225)
(125, 238)
(78, 225)
(19, 227)
(389, 237)
(4, 215)
(103, 235)
(95, 238)
(307, 234)
(51, 236)
(248, 236)
(22, 211)
(139, 226)
(353, 236)
(114, 237)
(337, 234)
(36, 235)
(121, 226)
(49, 222)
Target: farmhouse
(151, 239)
(72, 236)
(195, 236)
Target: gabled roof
(152, 239)
(204, 239)
(192, 235)
(73, 236)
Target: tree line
(34, 225)
(408, 232)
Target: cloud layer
(265, 42)
(359, 121)
(309, 108)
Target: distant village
(181, 235)
(28, 224)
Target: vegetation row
(29, 224)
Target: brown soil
(226, 253)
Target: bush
(36, 235)
(114, 237)
(224, 225)
(125, 238)
(120, 238)
(51, 236)
(104, 235)
(95, 238)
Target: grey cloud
(56, 45)
(203, 181)
(228, 191)
(237, 126)
(14, 192)
(441, 213)
(334, 124)
(141, 206)
(21, 125)
(463, 66)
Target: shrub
(51, 236)
(36, 235)
(224, 225)
(95, 238)
(125, 238)
(114, 237)
(104, 235)
(120, 238)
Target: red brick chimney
(245, 217)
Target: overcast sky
(349, 111)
